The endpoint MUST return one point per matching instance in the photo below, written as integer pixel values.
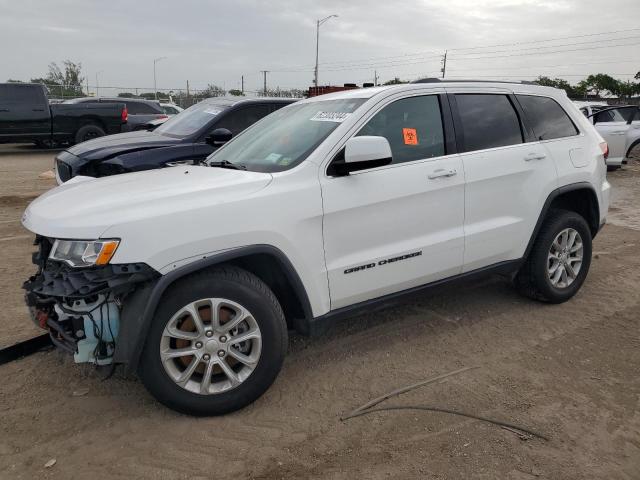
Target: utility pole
(242, 84)
(375, 78)
(87, 86)
(318, 24)
(444, 64)
(97, 85)
(155, 88)
(264, 73)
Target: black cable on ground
(27, 347)
(445, 410)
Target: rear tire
(211, 387)
(89, 132)
(559, 261)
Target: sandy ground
(568, 371)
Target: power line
(549, 39)
(554, 46)
(304, 68)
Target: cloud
(218, 42)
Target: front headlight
(83, 253)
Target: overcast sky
(218, 41)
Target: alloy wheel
(210, 346)
(565, 258)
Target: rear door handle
(621, 132)
(535, 156)
(441, 172)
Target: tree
(236, 93)
(627, 89)
(637, 77)
(126, 95)
(210, 91)
(601, 82)
(11, 80)
(152, 96)
(67, 83)
(572, 91)
(395, 81)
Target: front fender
(140, 307)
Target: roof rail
(439, 80)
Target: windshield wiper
(227, 164)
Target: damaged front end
(81, 307)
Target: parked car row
(619, 125)
(187, 138)
(193, 275)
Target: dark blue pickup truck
(27, 117)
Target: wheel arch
(632, 146)
(577, 197)
(268, 263)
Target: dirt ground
(568, 371)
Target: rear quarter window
(139, 108)
(547, 118)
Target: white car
(171, 108)
(619, 125)
(193, 275)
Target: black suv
(185, 138)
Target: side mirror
(362, 153)
(219, 137)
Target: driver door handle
(619, 132)
(441, 172)
(535, 156)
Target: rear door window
(547, 118)
(487, 121)
(241, 119)
(413, 127)
(21, 94)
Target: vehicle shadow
(7, 149)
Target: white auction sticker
(337, 117)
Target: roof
(370, 92)
(227, 100)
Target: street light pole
(318, 24)
(155, 88)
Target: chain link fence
(182, 97)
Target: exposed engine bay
(81, 307)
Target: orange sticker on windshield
(410, 136)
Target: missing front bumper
(81, 307)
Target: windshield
(191, 120)
(285, 138)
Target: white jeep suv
(193, 275)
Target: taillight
(124, 116)
(162, 116)
(605, 150)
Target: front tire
(559, 261)
(216, 344)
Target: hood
(111, 145)
(85, 208)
